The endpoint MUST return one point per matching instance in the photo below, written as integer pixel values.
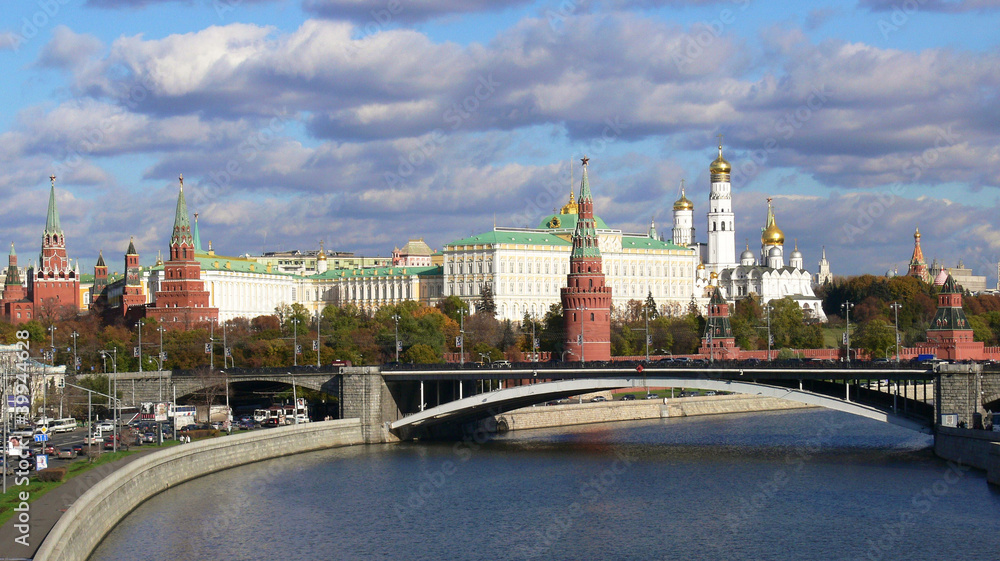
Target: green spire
(13, 279)
(197, 236)
(131, 248)
(52, 219)
(585, 182)
(652, 229)
(12, 254)
(182, 226)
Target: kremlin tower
(182, 301)
(54, 283)
(918, 267)
(721, 223)
(718, 342)
(586, 300)
(133, 295)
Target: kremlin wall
(572, 258)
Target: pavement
(49, 507)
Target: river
(811, 484)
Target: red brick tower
(15, 306)
(132, 296)
(718, 342)
(586, 299)
(950, 334)
(55, 284)
(182, 301)
(100, 274)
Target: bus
(285, 414)
(67, 424)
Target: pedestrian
(189, 439)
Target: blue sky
(367, 123)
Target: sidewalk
(47, 510)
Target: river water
(794, 485)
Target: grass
(37, 489)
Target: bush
(52, 474)
(200, 433)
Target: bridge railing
(668, 363)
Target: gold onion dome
(720, 165)
(714, 275)
(772, 235)
(683, 203)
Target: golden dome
(571, 207)
(772, 235)
(683, 203)
(720, 165)
(916, 235)
(714, 275)
(701, 266)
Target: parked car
(628, 397)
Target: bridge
(429, 401)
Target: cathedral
(766, 274)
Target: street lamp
(76, 359)
(295, 341)
(395, 318)
(114, 393)
(895, 308)
(138, 351)
(846, 307)
(461, 336)
(161, 358)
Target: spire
(159, 258)
(182, 226)
(100, 258)
(12, 253)
(652, 228)
(585, 182)
(131, 247)
(13, 278)
(771, 235)
(197, 236)
(52, 219)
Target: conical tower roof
(131, 247)
(52, 218)
(182, 225)
(13, 279)
(585, 183)
(197, 235)
(100, 259)
(772, 235)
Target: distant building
(918, 266)
(416, 253)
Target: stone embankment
(79, 531)
(545, 416)
(977, 448)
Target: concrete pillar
(366, 397)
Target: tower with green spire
(718, 342)
(586, 299)
(55, 283)
(181, 301)
(13, 288)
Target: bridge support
(959, 391)
(366, 396)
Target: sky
(365, 124)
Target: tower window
(591, 316)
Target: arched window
(591, 316)
(723, 226)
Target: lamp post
(76, 358)
(295, 341)
(461, 336)
(319, 321)
(114, 394)
(846, 306)
(161, 358)
(139, 348)
(395, 319)
(895, 308)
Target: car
(105, 426)
(710, 393)
(78, 449)
(149, 436)
(651, 396)
(628, 397)
(598, 398)
(501, 364)
(186, 428)
(46, 449)
(269, 423)
(66, 453)
(109, 442)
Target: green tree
(453, 306)
(421, 354)
(486, 304)
(874, 337)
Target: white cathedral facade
(766, 274)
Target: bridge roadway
(853, 390)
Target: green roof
(524, 238)
(380, 272)
(567, 222)
(235, 264)
(52, 218)
(645, 242)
